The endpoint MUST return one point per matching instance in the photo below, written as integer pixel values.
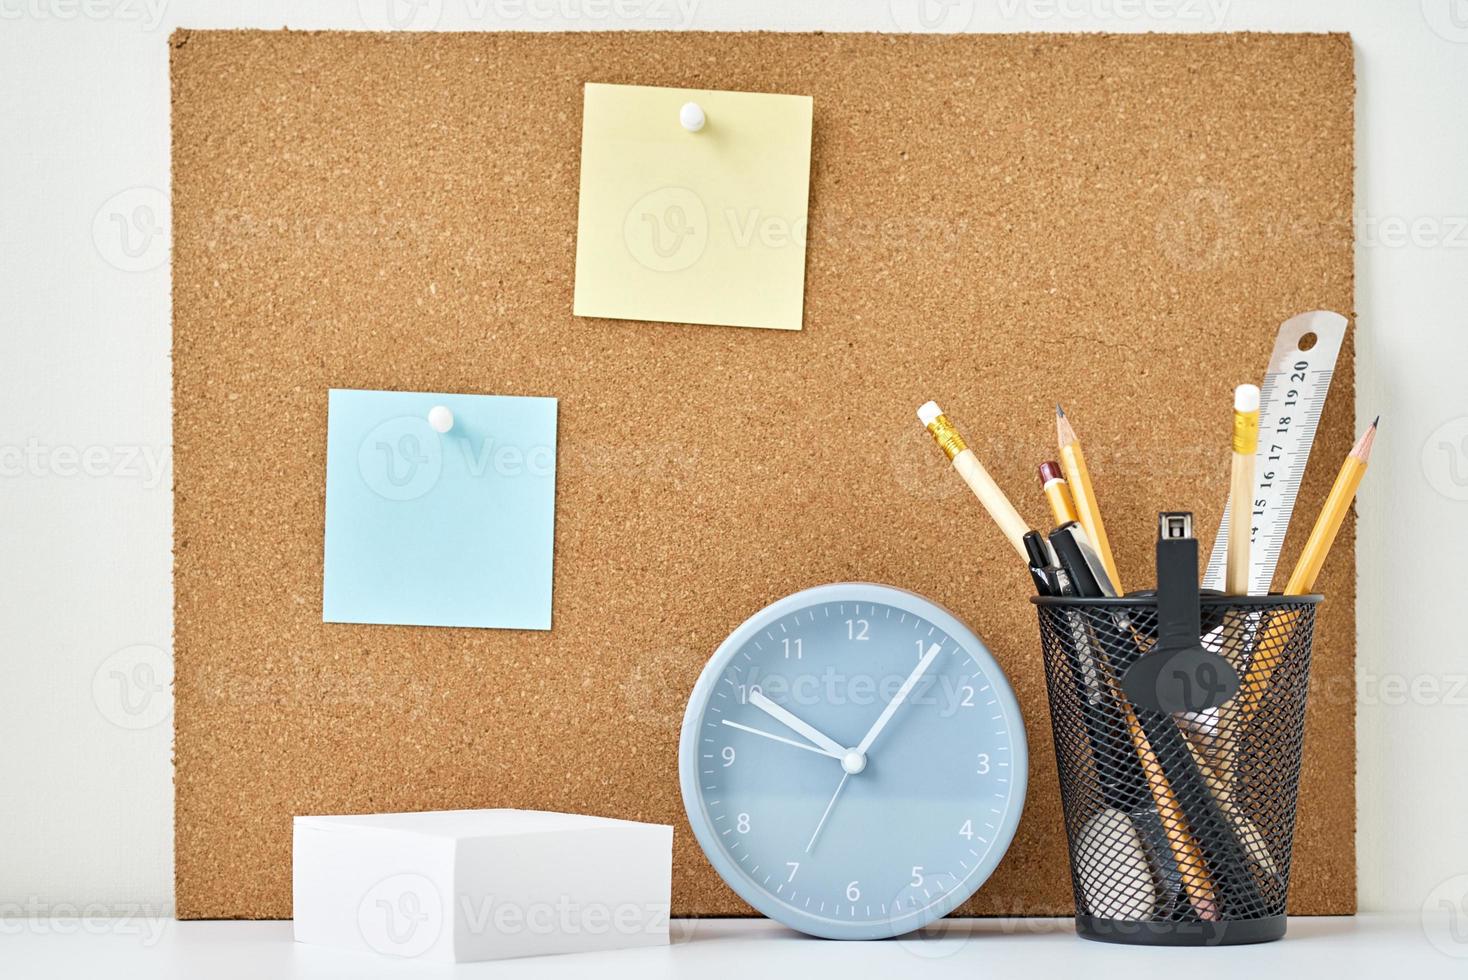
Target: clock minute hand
(898, 699)
(758, 699)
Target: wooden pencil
(1328, 524)
(1241, 489)
(1276, 634)
(1088, 511)
(980, 482)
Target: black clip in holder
(1179, 674)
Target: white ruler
(1290, 401)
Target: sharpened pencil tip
(1064, 433)
(1375, 421)
(1362, 449)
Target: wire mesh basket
(1179, 769)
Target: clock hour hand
(898, 699)
(777, 738)
(829, 745)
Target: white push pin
(692, 117)
(440, 418)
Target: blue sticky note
(439, 529)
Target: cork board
(999, 222)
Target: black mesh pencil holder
(1179, 767)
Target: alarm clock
(853, 762)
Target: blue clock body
(853, 761)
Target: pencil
(1307, 569)
(1196, 880)
(978, 478)
(1087, 510)
(1328, 524)
(1057, 493)
(1241, 488)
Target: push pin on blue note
(692, 117)
(440, 418)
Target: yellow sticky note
(705, 226)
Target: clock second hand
(839, 787)
(779, 738)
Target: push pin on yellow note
(692, 117)
(440, 418)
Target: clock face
(853, 761)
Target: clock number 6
(853, 892)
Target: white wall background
(86, 799)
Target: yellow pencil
(1241, 488)
(1196, 881)
(978, 478)
(1302, 579)
(1088, 512)
(1328, 524)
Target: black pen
(1041, 568)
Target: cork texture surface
(1118, 223)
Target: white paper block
(464, 885)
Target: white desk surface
(1378, 947)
